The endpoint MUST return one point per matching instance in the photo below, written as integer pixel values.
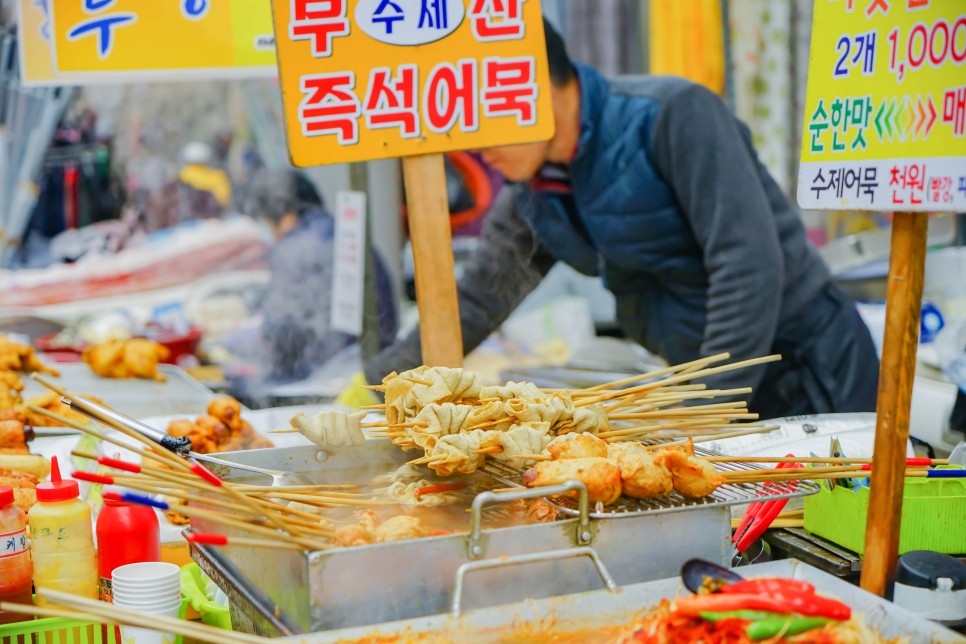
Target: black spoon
(699, 576)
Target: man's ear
(287, 223)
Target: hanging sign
(138, 40)
(376, 79)
(33, 38)
(885, 112)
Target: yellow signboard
(135, 39)
(884, 113)
(33, 36)
(375, 79)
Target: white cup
(145, 573)
(159, 603)
(137, 635)
(146, 591)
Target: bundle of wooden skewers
(280, 517)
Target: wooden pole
(903, 308)
(429, 230)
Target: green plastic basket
(58, 630)
(933, 515)
(55, 630)
(193, 584)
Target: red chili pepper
(694, 605)
(812, 605)
(803, 603)
(768, 586)
(441, 487)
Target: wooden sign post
(375, 79)
(884, 131)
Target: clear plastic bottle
(15, 569)
(61, 539)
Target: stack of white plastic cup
(150, 587)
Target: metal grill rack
(725, 495)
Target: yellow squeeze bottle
(61, 539)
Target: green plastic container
(193, 583)
(55, 630)
(60, 630)
(933, 515)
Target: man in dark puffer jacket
(652, 184)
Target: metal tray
(539, 620)
(135, 397)
(726, 495)
(283, 592)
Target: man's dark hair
(274, 193)
(561, 67)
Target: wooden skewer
(419, 381)
(171, 459)
(802, 459)
(703, 373)
(656, 402)
(312, 526)
(223, 519)
(808, 473)
(381, 406)
(138, 621)
(149, 479)
(259, 543)
(765, 472)
(296, 488)
(320, 500)
(428, 459)
(659, 372)
(393, 426)
(661, 414)
(704, 423)
(176, 462)
(92, 431)
(495, 449)
(716, 437)
(533, 457)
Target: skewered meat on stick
(693, 477)
(408, 494)
(522, 390)
(524, 438)
(602, 478)
(643, 477)
(577, 446)
(407, 393)
(331, 428)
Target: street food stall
(456, 508)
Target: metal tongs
(180, 446)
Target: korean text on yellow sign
(374, 79)
(885, 113)
(125, 39)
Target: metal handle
(205, 458)
(179, 445)
(552, 555)
(476, 549)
